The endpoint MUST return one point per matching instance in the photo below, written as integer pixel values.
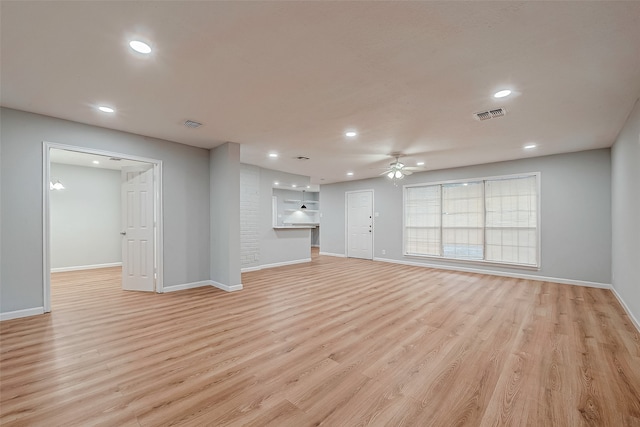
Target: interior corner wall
(185, 200)
(224, 166)
(575, 214)
(262, 245)
(85, 217)
(625, 203)
(285, 245)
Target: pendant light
(303, 205)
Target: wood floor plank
(332, 342)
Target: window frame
(538, 264)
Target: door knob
(124, 233)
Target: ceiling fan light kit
(398, 170)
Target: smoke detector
(192, 124)
(491, 114)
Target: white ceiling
(292, 77)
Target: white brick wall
(249, 205)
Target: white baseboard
(331, 254)
(186, 286)
(624, 305)
(227, 288)
(85, 267)
(202, 283)
(500, 273)
(315, 246)
(276, 264)
(21, 313)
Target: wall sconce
(57, 186)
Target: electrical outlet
(384, 252)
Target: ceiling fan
(398, 170)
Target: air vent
(115, 159)
(497, 113)
(192, 124)
(491, 114)
(301, 158)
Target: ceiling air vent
(491, 114)
(192, 124)
(301, 158)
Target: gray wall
(262, 244)
(625, 198)
(575, 214)
(85, 216)
(224, 167)
(185, 202)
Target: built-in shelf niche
(287, 208)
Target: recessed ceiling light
(530, 146)
(349, 173)
(308, 186)
(95, 162)
(420, 163)
(273, 155)
(293, 185)
(350, 134)
(139, 46)
(276, 183)
(106, 109)
(502, 93)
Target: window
(491, 220)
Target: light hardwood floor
(336, 342)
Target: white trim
(501, 273)
(85, 267)
(276, 264)
(332, 254)
(635, 321)
(482, 178)
(315, 246)
(187, 286)
(227, 288)
(21, 313)
(46, 241)
(46, 232)
(202, 283)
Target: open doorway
(102, 216)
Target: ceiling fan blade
(413, 169)
(386, 172)
(406, 172)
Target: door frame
(46, 223)
(346, 220)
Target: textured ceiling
(292, 77)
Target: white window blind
(512, 220)
(463, 220)
(422, 220)
(492, 219)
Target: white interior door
(360, 224)
(137, 229)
